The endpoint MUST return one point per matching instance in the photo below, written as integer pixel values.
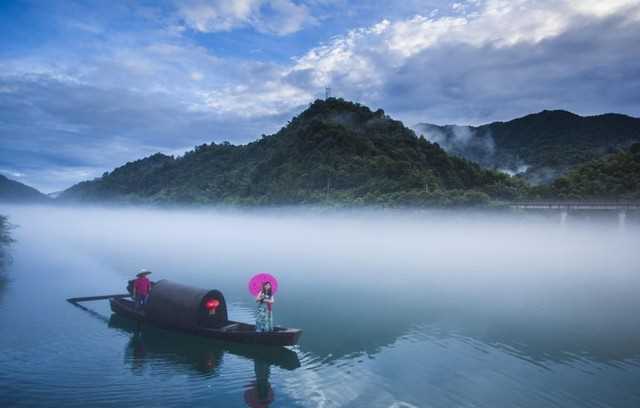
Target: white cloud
(473, 47)
(157, 89)
(219, 15)
(12, 173)
(494, 22)
(368, 64)
(269, 98)
(602, 8)
(286, 17)
(280, 17)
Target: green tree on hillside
(616, 176)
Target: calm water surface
(398, 310)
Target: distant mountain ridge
(14, 191)
(334, 152)
(540, 146)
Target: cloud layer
(109, 86)
(494, 60)
(280, 17)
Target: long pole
(101, 297)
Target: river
(399, 309)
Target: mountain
(334, 152)
(13, 191)
(615, 176)
(540, 146)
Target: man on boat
(141, 288)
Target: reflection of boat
(151, 345)
(201, 312)
(203, 355)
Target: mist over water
(412, 308)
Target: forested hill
(333, 152)
(616, 176)
(13, 191)
(542, 146)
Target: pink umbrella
(255, 284)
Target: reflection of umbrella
(255, 284)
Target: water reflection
(361, 320)
(605, 331)
(542, 345)
(568, 340)
(3, 285)
(5, 258)
(260, 394)
(152, 346)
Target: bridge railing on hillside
(577, 205)
(565, 207)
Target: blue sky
(86, 86)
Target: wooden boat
(201, 312)
(203, 354)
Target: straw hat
(143, 272)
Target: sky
(86, 86)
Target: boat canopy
(171, 304)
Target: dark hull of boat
(231, 331)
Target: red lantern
(212, 304)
